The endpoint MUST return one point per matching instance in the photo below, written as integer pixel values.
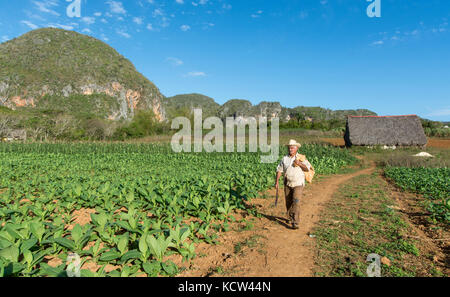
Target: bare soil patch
(439, 143)
(81, 217)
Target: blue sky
(325, 53)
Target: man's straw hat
(292, 142)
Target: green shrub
(143, 124)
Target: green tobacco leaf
(115, 273)
(100, 219)
(13, 268)
(10, 253)
(110, 256)
(170, 268)
(152, 268)
(67, 243)
(126, 270)
(130, 197)
(37, 229)
(133, 254)
(77, 190)
(87, 273)
(12, 232)
(28, 256)
(49, 271)
(37, 258)
(2, 269)
(104, 188)
(185, 233)
(5, 243)
(125, 225)
(122, 244)
(143, 247)
(28, 244)
(77, 233)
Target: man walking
(294, 181)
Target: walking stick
(276, 198)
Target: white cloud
(138, 20)
(422, 30)
(123, 33)
(174, 61)
(442, 27)
(379, 42)
(180, 1)
(257, 14)
(195, 74)
(116, 7)
(34, 16)
(201, 2)
(4, 38)
(157, 12)
(30, 24)
(440, 113)
(185, 28)
(45, 6)
(160, 15)
(62, 26)
(88, 20)
(207, 26)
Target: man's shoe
(295, 226)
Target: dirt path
(272, 248)
(291, 252)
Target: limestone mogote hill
(55, 68)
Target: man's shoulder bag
(310, 174)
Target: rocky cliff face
(59, 63)
(129, 100)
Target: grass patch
(361, 219)
(404, 157)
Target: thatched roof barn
(404, 130)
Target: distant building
(403, 130)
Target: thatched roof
(404, 130)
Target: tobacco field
(145, 203)
(433, 183)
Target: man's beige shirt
(287, 162)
